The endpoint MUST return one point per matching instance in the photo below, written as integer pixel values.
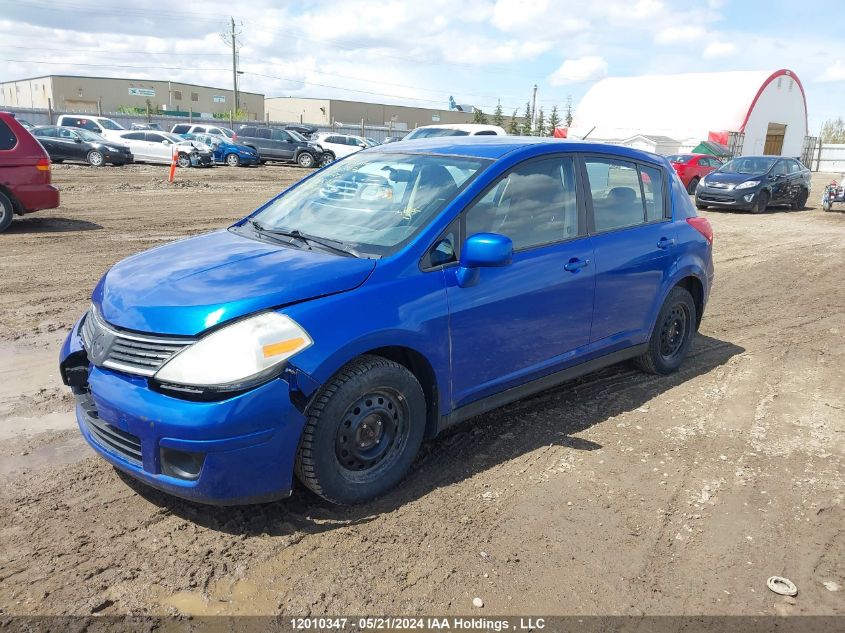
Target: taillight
(43, 164)
(702, 225)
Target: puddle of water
(240, 598)
(27, 370)
(67, 451)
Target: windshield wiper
(305, 238)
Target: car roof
(495, 147)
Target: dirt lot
(619, 493)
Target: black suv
(281, 145)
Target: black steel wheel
(672, 334)
(692, 185)
(362, 432)
(800, 201)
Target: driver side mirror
(483, 250)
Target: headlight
(748, 184)
(237, 354)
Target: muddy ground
(619, 493)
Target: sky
(481, 52)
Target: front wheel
(7, 212)
(672, 335)
(305, 159)
(95, 158)
(692, 185)
(232, 160)
(183, 160)
(761, 203)
(363, 431)
(326, 159)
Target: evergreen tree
(526, 124)
(568, 116)
(498, 116)
(479, 116)
(554, 121)
(540, 127)
(514, 126)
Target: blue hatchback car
(225, 151)
(379, 301)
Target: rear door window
(7, 138)
(615, 192)
(46, 132)
(264, 133)
(652, 182)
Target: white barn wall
(780, 102)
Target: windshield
(679, 158)
(372, 202)
(87, 135)
(428, 132)
(174, 138)
(748, 165)
(108, 124)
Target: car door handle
(575, 264)
(665, 242)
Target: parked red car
(24, 173)
(693, 167)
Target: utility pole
(234, 72)
(534, 108)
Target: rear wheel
(305, 159)
(761, 204)
(800, 201)
(692, 185)
(95, 158)
(672, 334)
(232, 160)
(363, 431)
(7, 211)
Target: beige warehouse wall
(292, 109)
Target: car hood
(730, 179)
(187, 286)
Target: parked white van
(455, 129)
(105, 127)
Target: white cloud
(719, 49)
(679, 34)
(578, 70)
(509, 15)
(834, 72)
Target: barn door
(774, 139)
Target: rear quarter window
(7, 138)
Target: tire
(692, 185)
(305, 159)
(700, 206)
(326, 159)
(232, 160)
(57, 162)
(827, 205)
(362, 432)
(672, 335)
(95, 158)
(801, 201)
(7, 211)
(183, 160)
(761, 203)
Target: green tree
(479, 116)
(513, 128)
(567, 118)
(833, 131)
(554, 120)
(526, 124)
(540, 126)
(498, 116)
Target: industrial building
(70, 93)
(754, 112)
(326, 111)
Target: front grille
(713, 197)
(132, 353)
(108, 437)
